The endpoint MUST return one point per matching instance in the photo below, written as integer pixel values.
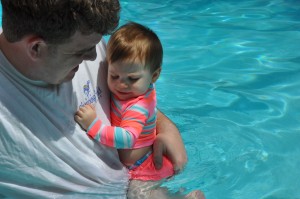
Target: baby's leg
(152, 190)
(197, 194)
(146, 190)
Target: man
(51, 54)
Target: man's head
(52, 37)
(55, 21)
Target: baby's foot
(197, 194)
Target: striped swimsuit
(133, 126)
(133, 123)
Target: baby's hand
(85, 116)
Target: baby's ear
(156, 74)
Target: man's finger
(158, 154)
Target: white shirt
(44, 153)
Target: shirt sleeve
(124, 136)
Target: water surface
(230, 82)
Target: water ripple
(230, 81)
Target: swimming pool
(230, 81)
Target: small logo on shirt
(91, 96)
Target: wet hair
(135, 43)
(55, 21)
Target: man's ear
(156, 74)
(35, 47)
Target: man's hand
(169, 143)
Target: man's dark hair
(56, 21)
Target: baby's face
(128, 81)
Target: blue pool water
(230, 82)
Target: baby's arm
(85, 116)
(122, 137)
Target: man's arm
(169, 143)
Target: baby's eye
(114, 76)
(133, 79)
